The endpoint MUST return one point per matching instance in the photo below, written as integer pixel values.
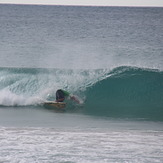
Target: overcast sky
(157, 3)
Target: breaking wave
(123, 92)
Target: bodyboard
(55, 105)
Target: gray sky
(156, 3)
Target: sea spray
(18, 86)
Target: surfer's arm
(72, 97)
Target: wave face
(124, 92)
(128, 92)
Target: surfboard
(55, 105)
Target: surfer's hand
(74, 98)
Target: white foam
(76, 145)
(7, 98)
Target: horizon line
(82, 5)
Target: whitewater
(110, 57)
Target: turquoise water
(110, 57)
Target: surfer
(62, 94)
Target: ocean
(110, 57)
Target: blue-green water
(110, 57)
